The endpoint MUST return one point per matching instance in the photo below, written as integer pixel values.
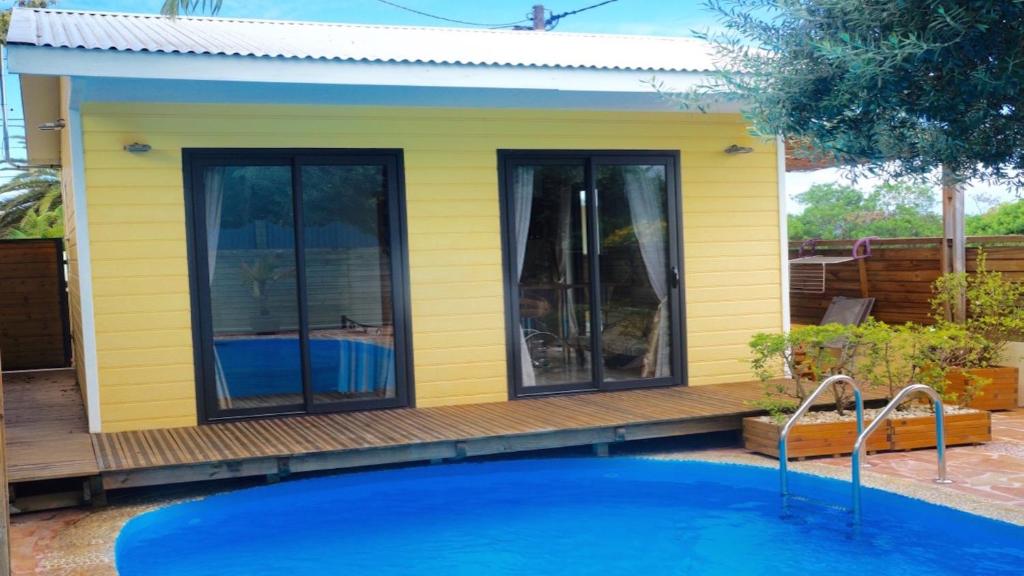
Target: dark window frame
(590, 160)
(194, 161)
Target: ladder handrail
(784, 434)
(860, 446)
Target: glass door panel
(250, 253)
(636, 277)
(552, 291)
(594, 294)
(346, 244)
(299, 276)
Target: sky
(657, 17)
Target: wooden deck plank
(58, 445)
(47, 433)
(296, 436)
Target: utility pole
(539, 23)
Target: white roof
(120, 32)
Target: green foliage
(893, 88)
(1000, 220)
(889, 355)
(807, 354)
(28, 201)
(42, 221)
(875, 354)
(5, 16)
(893, 210)
(995, 309)
(174, 8)
(944, 347)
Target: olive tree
(898, 88)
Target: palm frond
(175, 8)
(35, 189)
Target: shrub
(876, 354)
(805, 355)
(995, 310)
(889, 355)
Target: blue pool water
(564, 517)
(258, 366)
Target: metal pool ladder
(860, 447)
(784, 435)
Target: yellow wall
(137, 226)
(71, 243)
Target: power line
(552, 22)
(452, 20)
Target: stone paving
(989, 480)
(994, 471)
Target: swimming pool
(569, 517)
(267, 366)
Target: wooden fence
(900, 273)
(34, 331)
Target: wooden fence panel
(900, 275)
(34, 330)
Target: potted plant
(806, 354)
(881, 357)
(895, 357)
(995, 314)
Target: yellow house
(270, 218)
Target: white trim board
(90, 361)
(154, 65)
(780, 170)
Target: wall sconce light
(737, 149)
(137, 148)
(52, 126)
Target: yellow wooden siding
(71, 246)
(137, 225)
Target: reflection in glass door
(637, 278)
(346, 228)
(594, 295)
(298, 270)
(552, 273)
(250, 255)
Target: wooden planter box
(808, 440)
(919, 431)
(835, 438)
(999, 394)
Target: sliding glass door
(593, 283)
(298, 281)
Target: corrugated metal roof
(353, 42)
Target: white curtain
(213, 190)
(645, 194)
(522, 204)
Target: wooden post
(954, 241)
(5, 518)
(862, 271)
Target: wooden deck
(47, 434)
(48, 437)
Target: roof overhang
(112, 75)
(41, 99)
(209, 67)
